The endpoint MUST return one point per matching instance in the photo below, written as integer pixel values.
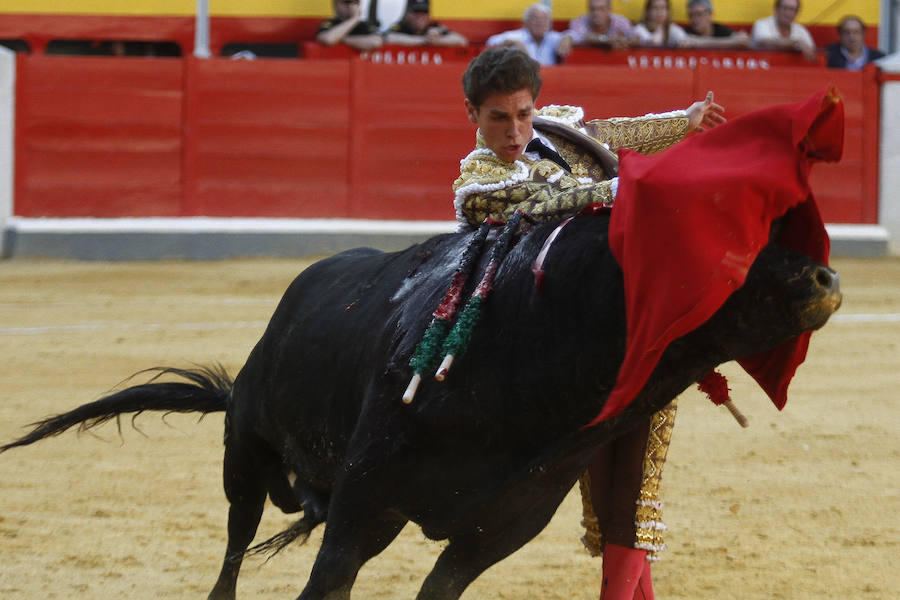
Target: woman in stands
(656, 27)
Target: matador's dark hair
(500, 69)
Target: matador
(550, 163)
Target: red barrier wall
(113, 137)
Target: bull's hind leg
(245, 479)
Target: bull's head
(764, 324)
(785, 295)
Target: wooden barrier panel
(410, 131)
(98, 137)
(267, 138)
(114, 137)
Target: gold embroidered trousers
(620, 490)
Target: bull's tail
(205, 391)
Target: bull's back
(331, 336)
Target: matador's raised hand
(705, 114)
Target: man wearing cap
(550, 163)
(417, 29)
(703, 32)
(348, 27)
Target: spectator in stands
(417, 29)
(851, 52)
(348, 27)
(600, 26)
(656, 27)
(536, 37)
(703, 32)
(780, 32)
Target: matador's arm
(541, 201)
(647, 134)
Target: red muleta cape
(688, 223)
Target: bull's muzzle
(826, 297)
(830, 282)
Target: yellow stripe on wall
(100, 7)
(814, 12)
(271, 8)
(248, 8)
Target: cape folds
(688, 223)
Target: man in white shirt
(536, 38)
(781, 32)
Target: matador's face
(504, 120)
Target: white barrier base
(205, 238)
(7, 133)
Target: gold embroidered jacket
(490, 187)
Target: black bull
(483, 459)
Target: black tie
(543, 151)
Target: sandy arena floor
(804, 504)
